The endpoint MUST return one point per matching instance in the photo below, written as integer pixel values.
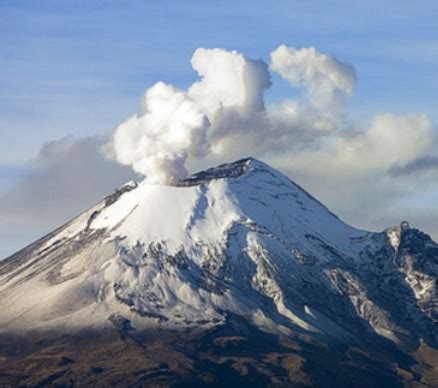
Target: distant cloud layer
(424, 164)
(363, 172)
(67, 177)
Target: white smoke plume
(322, 76)
(176, 125)
(229, 80)
(157, 142)
(223, 116)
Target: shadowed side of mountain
(236, 354)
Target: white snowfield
(238, 240)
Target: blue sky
(79, 67)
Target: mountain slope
(236, 243)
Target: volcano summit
(233, 275)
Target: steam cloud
(227, 102)
(224, 115)
(175, 125)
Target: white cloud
(352, 171)
(176, 125)
(389, 141)
(224, 111)
(68, 176)
(325, 78)
(157, 142)
(229, 80)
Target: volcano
(234, 275)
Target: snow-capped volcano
(241, 240)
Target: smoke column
(226, 106)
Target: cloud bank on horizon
(224, 116)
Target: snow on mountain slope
(239, 239)
(183, 215)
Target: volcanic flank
(233, 274)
